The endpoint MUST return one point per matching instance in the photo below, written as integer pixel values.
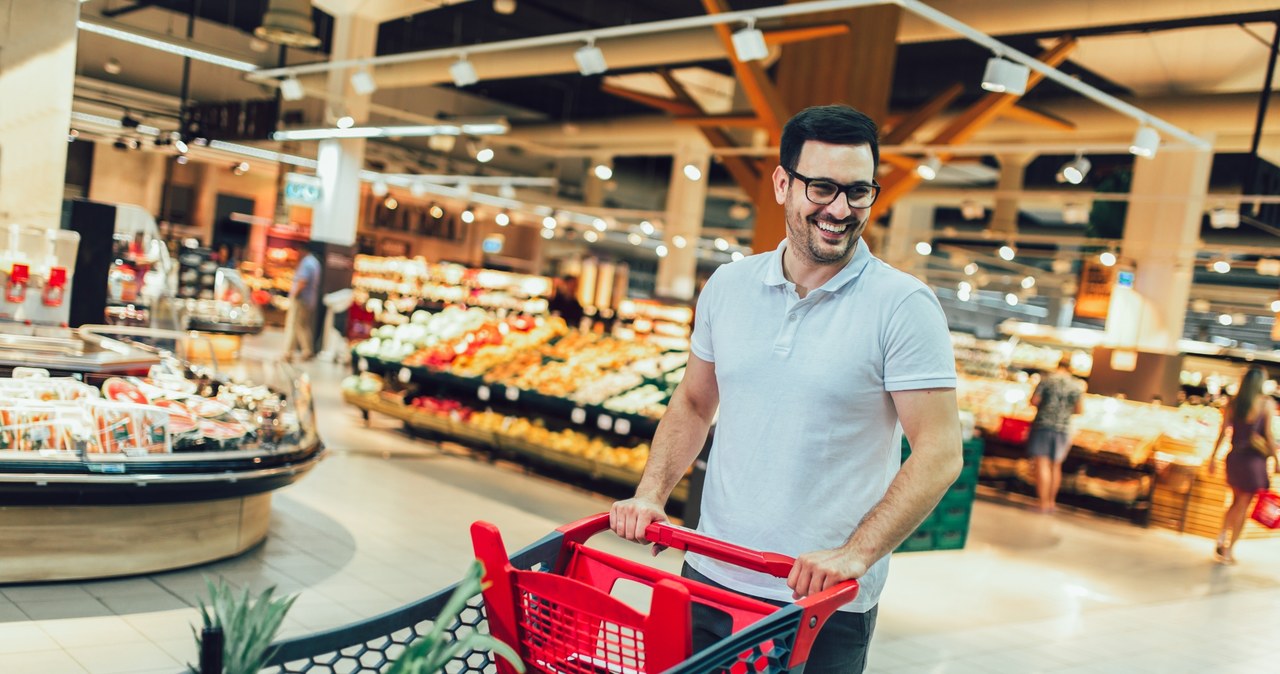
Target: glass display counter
(117, 458)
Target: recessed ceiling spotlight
(1005, 77)
(929, 167)
(590, 59)
(112, 66)
(362, 83)
(1074, 171)
(1146, 141)
(749, 44)
(463, 73)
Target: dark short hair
(834, 124)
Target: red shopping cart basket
(566, 621)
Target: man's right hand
(631, 517)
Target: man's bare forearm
(917, 489)
(679, 438)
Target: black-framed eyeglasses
(822, 192)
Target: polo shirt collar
(773, 275)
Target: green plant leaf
(432, 652)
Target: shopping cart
(552, 602)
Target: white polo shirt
(808, 438)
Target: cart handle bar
(681, 538)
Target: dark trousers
(841, 646)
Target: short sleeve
(701, 343)
(917, 346)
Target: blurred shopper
(1058, 397)
(1248, 418)
(812, 355)
(306, 297)
(564, 303)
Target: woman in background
(1248, 416)
(1058, 397)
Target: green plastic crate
(950, 538)
(919, 540)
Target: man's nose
(839, 209)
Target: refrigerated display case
(117, 457)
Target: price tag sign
(405, 375)
(622, 426)
(482, 393)
(363, 365)
(513, 393)
(578, 415)
(604, 422)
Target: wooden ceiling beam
(964, 126)
(673, 106)
(1018, 113)
(803, 33)
(741, 169)
(905, 127)
(723, 121)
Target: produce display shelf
(505, 442)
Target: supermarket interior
(298, 291)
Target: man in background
(306, 297)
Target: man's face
(825, 234)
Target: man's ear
(780, 180)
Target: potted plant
(244, 626)
(430, 653)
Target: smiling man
(818, 357)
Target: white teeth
(832, 228)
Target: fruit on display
(365, 383)
(567, 441)
(648, 400)
(442, 407)
(608, 385)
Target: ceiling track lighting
(504, 6)
(1005, 77)
(590, 59)
(928, 168)
(362, 83)
(602, 170)
(749, 44)
(1074, 171)
(924, 248)
(1007, 253)
(1224, 218)
(112, 66)
(463, 73)
(1107, 258)
(1146, 141)
(162, 43)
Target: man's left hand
(816, 571)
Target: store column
(686, 204)
(341, 160)
(37, 79)
(910, 222)
(1004, 218)
(1161, 234)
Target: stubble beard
(800, 230)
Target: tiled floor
(384, 521)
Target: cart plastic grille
(376, 655)
(371, 646)
(763, 648)
(566, 640)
